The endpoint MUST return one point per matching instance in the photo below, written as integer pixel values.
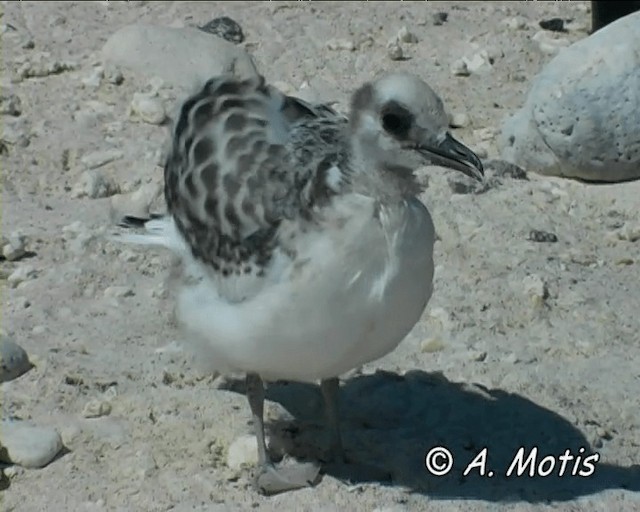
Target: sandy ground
(523, 343)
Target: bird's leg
(269, 479)
(255, 394)
(330, 389)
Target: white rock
(10, 104)
(149, 108)
(21, 274)
(135, 203)
(460, 68)
(96, 408)
(94, 184)
(535, 288)
(99, 158)
(95, 78)
(14, 360)
(15, 246)
(243, 451)
(515, 23)
(458, 120)
(118, 291)
(341, 44)
(404, 36)
(394, 50)
(580, 118)
(182, 57)
(549, 44)
(28, 445)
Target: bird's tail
(158, 231)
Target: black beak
(454, 155)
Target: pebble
(10, 104)
(28, 445)
(431, 345)
(548, 44)
(21, 274)
(515, 23)
(405, 36)
(504, 169)
(394, 50)
(226, 28)
(460, 68)
(99, 158)
(536, 289)
(135, 203)
(15, 246)
(149, 108)
(94, 184)
(15, 133)
(118, 291)
(95, 78)
(243, 451)
(630, 233)
(553, 24)
(341, 44)
(536, 235)
(458, 120)
(440, 18)
(96, 407)
(14, 360)
(579, 118)
(182, 57)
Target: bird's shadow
(392, 421)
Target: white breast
(355, 290)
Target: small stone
(624, 261)
(113, 76)
(118, 291)
(630, 233)
(242, 452)
(21, 274)
(94, 79)
(95, 408)
(341, 44)
(549, 45)
(440, 18)
(478, 355)
(404, 36)
(511, 359)
(14, 360)
(136, 203)
(28, 445)
(94, 184)
(458, 120)
(504, 169)
(536, 235)
(536, 289)
(99, 158)
(460, 68)
(15, 246)
(149, 108)
(10, 104)
(14, 133)
(553, 24)
(431, 345)
(515, 23)
(225, 28)
(394, 50)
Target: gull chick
(307, 249)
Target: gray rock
(28, 445)
(226, 28)
(183, 57)
(14, 360)
(10, 104)
(94, 184)
(580, 118)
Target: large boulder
(183, 57)
(581, 118)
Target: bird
(306, 248)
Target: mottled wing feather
(241, 162)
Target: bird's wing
(244, 157)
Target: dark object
(440, 17)
(225, 28)
(554, 24)
(603, 13)
(536, 235)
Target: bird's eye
(397, 120)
